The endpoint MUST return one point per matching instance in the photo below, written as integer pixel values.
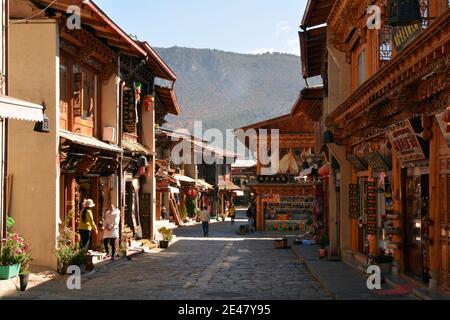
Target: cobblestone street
(223, 266)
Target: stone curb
(315, 275)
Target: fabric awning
(228, 186)
(205, 185)
(88, 141)
(136, 147)
(12, 108)
(182, 178)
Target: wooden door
(444, 205)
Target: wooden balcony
(413, 83)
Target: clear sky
(245, 26)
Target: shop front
(89, 170)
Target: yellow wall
(110, 105)
(33, 157)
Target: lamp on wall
(403, 12)
(43, 126)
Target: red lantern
(149, 102)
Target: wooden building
(102, 105)
(283, 203)
(386, 94)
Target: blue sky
(245, 26)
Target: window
(362, 67)
(85, 83)
(385, 45)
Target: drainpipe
(120, 134)
(4, 173)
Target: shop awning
(88, 141)
(12, 108)
(136, 147)
(182, 178)
(228, 186)
(205, 185)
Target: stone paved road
(223, 266)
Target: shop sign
(271, 198)
(444, 127)
(371, 207)
(402, 36)
(376, 162)
(404, 142)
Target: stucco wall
(110, 105)
(33, 157)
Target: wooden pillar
(435, 259)
(259, 214)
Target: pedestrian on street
(164, 213)
(232, 211)
(251, 215)
(205, 221)
(111, 221)
(87, 224)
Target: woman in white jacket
(111, 221)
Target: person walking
(205, 221)
(251, 215)
(111, 221)
(232, 211)
(87, 224)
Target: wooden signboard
(78, 94)
(129, 111)
(145, 209)
(404, 142)
(354, 207)
(402, 36)
(376, 162)
(372, 207)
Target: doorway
(416, 185)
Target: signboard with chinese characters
(357, 163)
(377, 162)
(404, 142)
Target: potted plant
(324, 243)
(167, 235)
(14, 253)
(25, 267)
(384, 261)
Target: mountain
(229, 90)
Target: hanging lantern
(149, 102)
(141, 171)
(427, 135)
(403, 12)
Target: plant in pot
(14, 252)
(25, 260)
(384, 261)
(324, 243)
(167, 235)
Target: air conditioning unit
(109, 134)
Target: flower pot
(164, 244)
(322, 253)
(24, 281)
(8, 272)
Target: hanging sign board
(356, 163)
(404, 142)
(402, 36)
(377, 162)
(444, 127)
